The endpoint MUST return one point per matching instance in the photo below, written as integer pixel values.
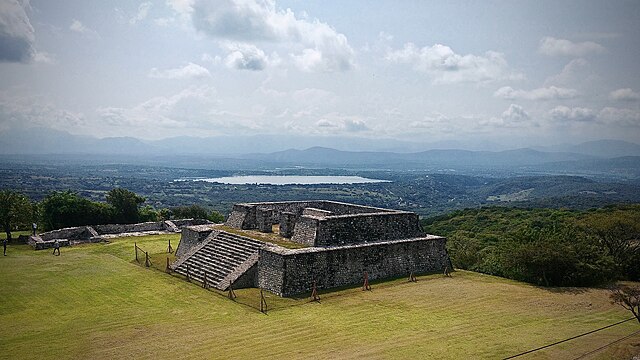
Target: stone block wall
(127, 228)
(72, 233)
(287, 224)
(192, 236)
(290, 272)
(305, 230)
(316, 212)
(361, 228)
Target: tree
(62, 209)
(125, 205)
(15, 210)
(196, 212)
(628, 297)
(619, 232)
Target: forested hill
(545, 246)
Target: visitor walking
(56, 247)
(34, 226)
(4, 245)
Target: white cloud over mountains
(445, 66)
(547, 93)
(312, 45)
(561, 47)
(626, 94)
(189, 71)
(17, 37)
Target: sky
(516, 73)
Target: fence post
(232, 294)
(135, 246)
(188, 275)
(366, 285)
(412, 277)
(169, 249)
(205, 283)
(263, 303)
(147, 262)
(168, 269)
(314, 292)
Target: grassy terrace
(95, 301)
(273, 237)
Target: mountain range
(39, 141)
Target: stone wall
(191, 236)
(243, 216)
(289, 272)
(362, 228)
(316, 212)
(72, 233)
(305, 230)
(128, 228)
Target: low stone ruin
(98, 233)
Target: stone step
(224, 251)
(198, 273)
(235, 248)
(241, 240)
(208, 263)
(213, 255)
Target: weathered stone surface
(289, 272)
(192, 236)
(287, 224)
(264, 220)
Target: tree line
(547, 247)
(60, 209)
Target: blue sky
(518, 73)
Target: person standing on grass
(4, 245)
(56, 247)
(34, 226)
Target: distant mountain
(442, 158)
(599, 148)
(49, 141)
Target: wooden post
(147, 262)
(170, 249)
(205, 283)
(168, 269)
(314, 292)
(412, 277)
(188, 275)
(135, 246)
(232, 294)
(263, 303)
(366, 285)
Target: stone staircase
(223, 256)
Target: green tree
(196, 212)
(15, 210)
(62, 209)
(125, 205)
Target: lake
(288, 180)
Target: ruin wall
(291, 272)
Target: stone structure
(344, 241)
(98, 233)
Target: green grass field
(95, 301)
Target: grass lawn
(95, 301)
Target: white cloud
(575, 114)
(621, 117)
(243, 56)
(576, 71)
(335, 123)
(80, 28)
(17, 37)
(143, 11)
(313, 45)
(44, 58)
(30, 111)
(548, 93)
(188, 71)
(514, 117)
(626, 94)
(562, 47)
(188, 108)
(445, 66)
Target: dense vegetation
(60, 209)
(545, 246)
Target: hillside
(103, 305)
